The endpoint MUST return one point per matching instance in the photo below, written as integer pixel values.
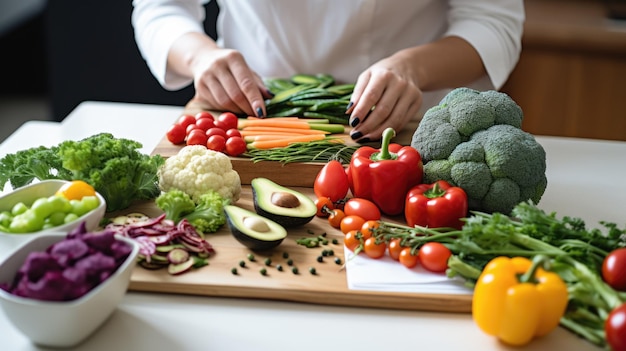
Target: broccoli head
(474, 140)
(208, 215)
(175, 203)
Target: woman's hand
(385, 95)
(224, 82)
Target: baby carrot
(284, 130)
(272, 122)
(284, 142)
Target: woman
(404, 55)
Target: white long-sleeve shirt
(279, 38)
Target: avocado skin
(306, 214)
(248, 241)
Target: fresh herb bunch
(320, 151)
(577, 254)
(113, 166)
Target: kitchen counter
(585, 179)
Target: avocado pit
(284, 199)
(256, 224)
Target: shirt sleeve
(157, 24)
(494, 29)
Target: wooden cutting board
(328, 286)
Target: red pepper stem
(434, 192)
(384, 153)
(539, 261)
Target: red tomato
(335, 218)
(233, 132)
(614, 269)
(205, 123)
(374, 249)
(235, 146)
(186, 120)
(216, 131)
(227, 120)
(615, 328)
(408, 259)
(176, 134)
(324, 205)
(394, 248)
(331, 181)
(434, 256)
(368, 227)
(351, 240)
(362, 208)
(216, 143)
(196, 137)
(349, 223)
(204, 114)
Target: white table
(586, 179)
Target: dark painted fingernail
(349, 105)
(259, 112)
(356, 135)
(363, 140)
(354, 122)
(270, 92)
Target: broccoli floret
(175, 203)
(208, 216)
(474, 140)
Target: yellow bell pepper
(516, 300)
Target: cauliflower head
(196, 170)
(474, 140)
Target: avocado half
(283, 205)
(253, 230)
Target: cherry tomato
(216, 143)
(235, 146)
(331, 181)
(363, 208)
(204, 114)
(374, 249)
(196, 137)
(335, 218)
(186, 120)
(434, 256)
(216, 131)
(176, 134)
(615, 328)
(233, 132)
(191, 127)
(351, 240)
(324, 205)
(227, 120)
(349, 223)
(614, 269)
(394, 248)
(408, 259)
(368, 227)
(205, 123)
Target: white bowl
(66, 323)
(29, 193)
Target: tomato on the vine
(324, 206)
(394, 248)
(331, 181)
(176, 134)
(615, 328)
(352, 222)
(368, 228)
(374, 249)
(235, 146)
(614, 269)
(335, 218)
(351, 240)
(408, 259)
(363, 208)
(434, 256)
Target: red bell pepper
(384, 175)
(435, 205)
